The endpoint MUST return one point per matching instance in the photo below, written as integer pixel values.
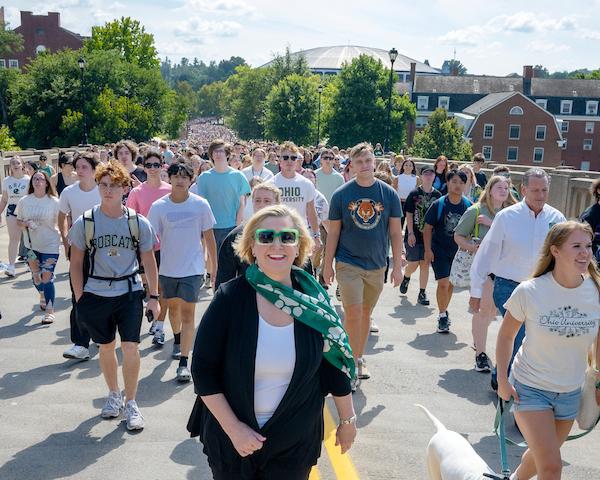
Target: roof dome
(331, 59)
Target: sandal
(48, 319)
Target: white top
(273, 367)
(406, 184)
(512, 245)
(16, 188)
(561, 324)
(263, 173)
(295, 192)
(179, 227)
(43, 212)
(74, 201)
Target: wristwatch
(598, 385)
(154, 297)
(316, 235)
(348, 421)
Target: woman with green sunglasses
(269, 348)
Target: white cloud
(198, 30)
(469, 36)
(236, 8)
(587, 34)
(546, 47)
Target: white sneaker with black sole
(77, 352)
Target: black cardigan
(229, 264)
(223, 362)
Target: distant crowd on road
(269, 228)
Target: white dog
(451, 457)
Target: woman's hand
(506, 391)
(245, 440)
(344, 436)
(483, 220)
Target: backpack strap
(90, 245)
(441, 203)
(133, 222)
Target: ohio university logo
(366, 213)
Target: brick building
(573, 104)
(40, 33)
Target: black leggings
(269, 472)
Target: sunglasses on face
(267, 236)
(293, 158)
(152, 165)
(327, 158)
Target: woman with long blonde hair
(468, 234)
(560, 308)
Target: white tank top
(406, 183)
(273, 367)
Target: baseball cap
(427, 168)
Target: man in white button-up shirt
(511, 248)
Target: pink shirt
(143, 196)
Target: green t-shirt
(466, 224)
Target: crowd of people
(269, 228)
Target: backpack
(442, 201)
(133, 222)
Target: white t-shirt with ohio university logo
(295, 192)
(560, 324)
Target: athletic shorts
(416, 253)
(441, 265)
(186, 288)
(564, 405)
(103, 316)
(357, 285)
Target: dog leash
(499, 431)
(503, 407)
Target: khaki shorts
(357, 285)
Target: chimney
(413, 76)
(527, 76)
(54, 18)
(413, 81)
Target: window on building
(591, 107)
(12, 63)
(542, 102)
(514, 132)
(512, 154)
(421, 122)
(538, 154)
(564, 126)
(486, 150)
(588, 143)
(585, 165)
(488, 130)
(566, 106)
(40, 31)
(2, 63)
(40, 49)
(422, 103)
(589, 127)
(516, 111)
(540, 132)
(563, 144)
(444, 102)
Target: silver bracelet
(348, 421)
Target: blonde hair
(115, 171)
(360, 149)
(486, 196)
(289, 145)
(16, 159)
(269, 187)
(244, 242)
(384, 166)
(557, 236)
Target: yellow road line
(342, 465)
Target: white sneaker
(77, 352)
(135, 421)
(10, 271)
(112, 407)
(373, 328)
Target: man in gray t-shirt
(111, 297)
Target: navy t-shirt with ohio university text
(365, 213)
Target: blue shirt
(365, 213)
(223, 192)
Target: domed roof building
(329, 60)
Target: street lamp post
(84, 138)
(126, 92)
(320, 90)
(386, 144)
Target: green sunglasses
(267, 236)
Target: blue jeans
(503, 289)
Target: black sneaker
(422, 299)
(404, 285)
(443, 325)
(482, 363)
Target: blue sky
(494, 38)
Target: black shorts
(103, 316)
(416, 253)
(441, 265)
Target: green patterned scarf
(311, 308)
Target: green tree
(210, 98)
(355, 106)
(7, 142)
(456, 65)
(287, 64)
(10, 41)
(441, 136)
(291, 109)
(129, 38)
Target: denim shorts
(564, 405)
